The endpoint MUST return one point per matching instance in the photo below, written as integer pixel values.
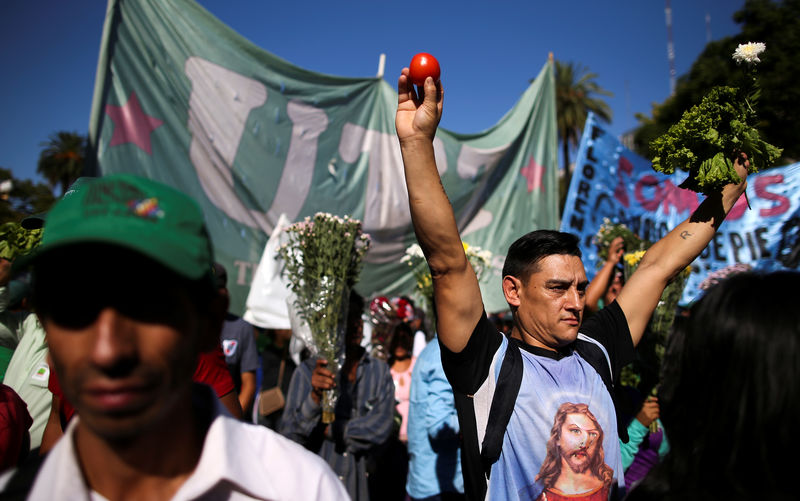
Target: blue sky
(488, 52)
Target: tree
(576, 96)
(778, 25)
(62, 159)
(23, 199)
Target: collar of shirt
(228, 456)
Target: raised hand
(417, 116)
(615, 250)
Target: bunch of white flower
(480, 259)
(414, 251)
(748, 52)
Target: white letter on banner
(386, 214)
(471, 163)
(298, 172)
(470, 160)
(219, 105)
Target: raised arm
(674, 252)
(599, 284)
(455, 288)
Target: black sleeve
(610, 327)
(467, 370)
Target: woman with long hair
(729, 394)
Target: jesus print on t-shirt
(575, 465)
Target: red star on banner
(131, 124)
(533, 172)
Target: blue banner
(612, 182)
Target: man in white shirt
(123, 286)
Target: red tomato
(422, 66)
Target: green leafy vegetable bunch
(710, 135)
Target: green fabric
(5, 358)
(183, 99)
(133, 212)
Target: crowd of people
(128, 378)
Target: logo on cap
(146, 208)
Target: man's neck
(151, 466)
(529, 339)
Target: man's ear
(511, 290)
(215, 316)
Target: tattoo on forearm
(685, 234)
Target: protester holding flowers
(340, 400)
(363, 413)
(544, 283)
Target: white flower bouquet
(480, 259)
(322, 261)
(608, 231)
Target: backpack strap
(503, 400)
(606, 373)
(584, 337)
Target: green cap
(139, 214)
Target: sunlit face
(578, 442)
(550, 304)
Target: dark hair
(729, 396)
(403, 337)
(355, 308)
(355, 304)
(524, 254)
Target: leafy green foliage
(708, 136)
(16, 241)
(62, 158)
(777, 23)
(24, 199)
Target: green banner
(182, 98)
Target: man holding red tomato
(562, 359)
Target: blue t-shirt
(562, 434)
(434, 465)
(563, 430)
